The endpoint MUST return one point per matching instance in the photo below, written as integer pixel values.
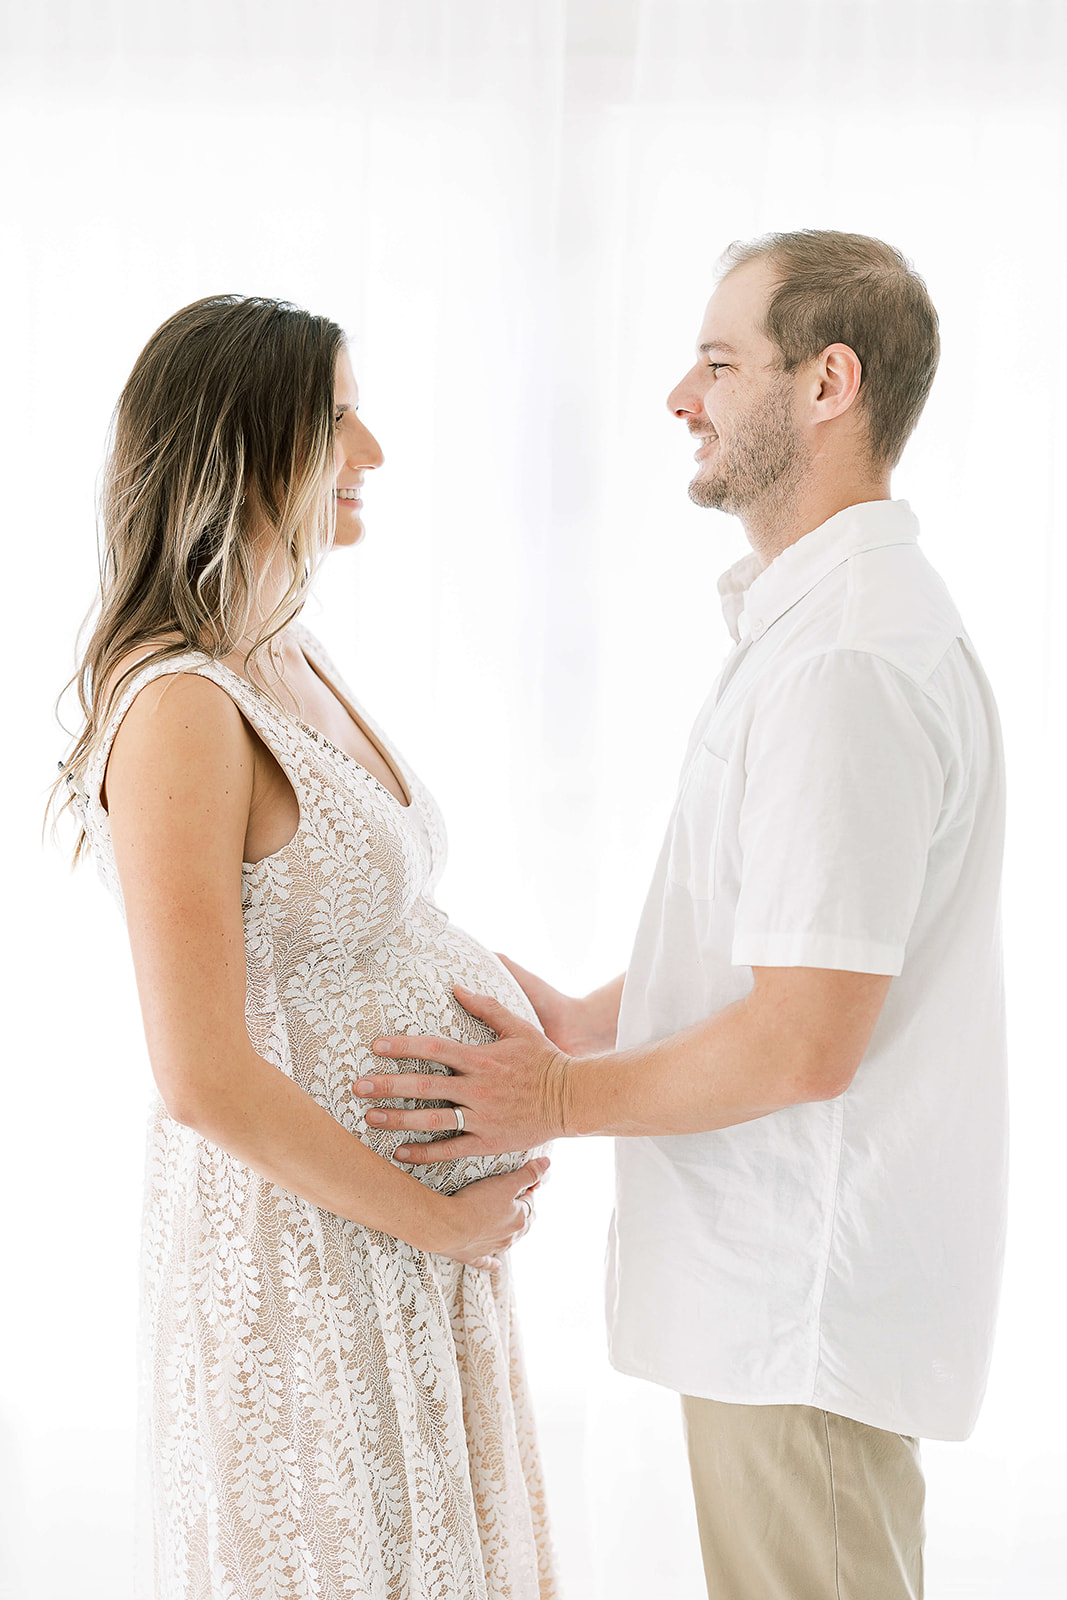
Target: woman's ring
(524, 1200)
(459, 1118)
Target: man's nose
(683, 401)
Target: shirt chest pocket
(697, 824)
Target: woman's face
(355, 452)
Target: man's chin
(710, 493)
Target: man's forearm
(798, 1036)
(582, 1026)
(710, 1076)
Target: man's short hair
(845, 288)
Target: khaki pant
(794, 1503)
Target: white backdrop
(515, 209)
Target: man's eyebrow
(717, 344)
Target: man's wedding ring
(459, 1118)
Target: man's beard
(766, 461)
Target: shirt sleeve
(844, 786)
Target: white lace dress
(332, 1413)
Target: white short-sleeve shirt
(841, 805)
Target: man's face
(738, 403)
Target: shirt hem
(870, 1417)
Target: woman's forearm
(259, 1116)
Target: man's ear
(836, 382)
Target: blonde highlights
(216, 482)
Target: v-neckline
(322, 738)
(405, 805)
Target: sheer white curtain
(515, 210)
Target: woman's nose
(366, 451)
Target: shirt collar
(733, 585)
(754, 596)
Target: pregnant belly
(452, 956)
(333, 1012)
(472, 965)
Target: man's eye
(717, 366)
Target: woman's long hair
(217, 474)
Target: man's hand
(580, 1027)
(512, 1093)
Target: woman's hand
(578, 1027)
(485, 1218)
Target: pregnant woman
(338, 1406)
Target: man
(808, 1078)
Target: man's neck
(772, 528)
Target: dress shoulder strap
(280, 733)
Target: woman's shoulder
(182, 686)
(183, 729)
(169, 709)
(168, 653)
(166, 677)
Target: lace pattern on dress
(332, 1412)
